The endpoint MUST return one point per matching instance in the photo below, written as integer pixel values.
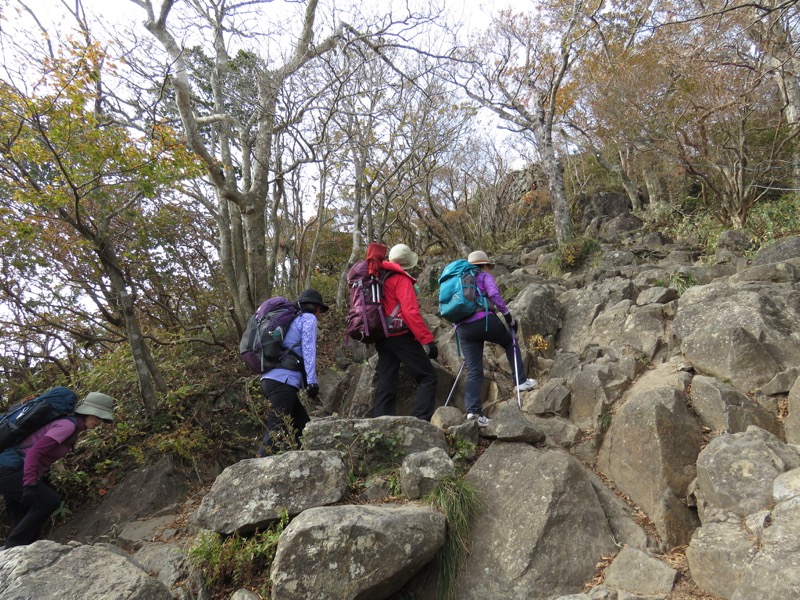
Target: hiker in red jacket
(413, 345)
(29, 499)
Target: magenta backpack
(365, 320)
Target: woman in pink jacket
(485, 326)
(29, 499)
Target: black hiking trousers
(392, 352)
(26, 521)
(286, 419)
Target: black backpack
(24, 418)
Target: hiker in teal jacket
(485, 326)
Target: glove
(313, 390)
(29, 494)
(513, 324)
(432, 350)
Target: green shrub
(457, 500)
(572, 255)
(769, 221)
(237, 561)
(682, 281)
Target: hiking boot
(482, 421)
(526, 385)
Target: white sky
(476, 13)
(116, 15)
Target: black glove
(513, 325)
(313, 390)
(432, 350)
(29, 494)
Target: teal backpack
(459, 297)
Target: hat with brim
(403, 256)
(312, 297)
(479, 257)
(98, 404)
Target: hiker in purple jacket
(483, 327)
(29, 499)
(287, 417)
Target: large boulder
(47, 570)
(745, 333)
(725, 409)
(650, 451)
(781, 250)
(735, 473)
(774, 573)
(582, 306)
(368, 444)
(360, 552)
(538, 310)
(254, 492)
(718, 555)
(539, 539)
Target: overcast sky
(475, 13)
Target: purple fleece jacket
(488, 287)
(46, 445)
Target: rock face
(47, 570)
(650, 453)
(739, 332)
(364, 552)
(735, 473)
(537, 539)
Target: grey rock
(365, 552)
(422, 472)
(718, 555)
(781, 250)
(723, 408)
(47, 570)
(735, 472)
(509, 424)
(368, 444)
(774, 573)
(792, 423)
(657, 295)
(650, 452)
(552, 398)
(781, 383)
(538, 540)
(254, 492)
(637, 572)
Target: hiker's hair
(309, 307)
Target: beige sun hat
(403, 256)
(98, 404)
(479, 257)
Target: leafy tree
(77, 187)
(520, 69)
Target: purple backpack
(261, 347)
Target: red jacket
(399, 289)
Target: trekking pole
(516, 368)
(453, 389)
